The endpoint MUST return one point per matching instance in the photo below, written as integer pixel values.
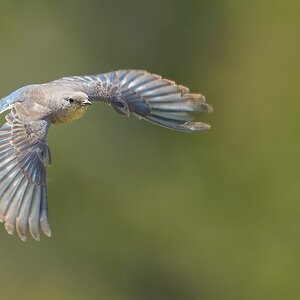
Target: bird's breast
(69, 115)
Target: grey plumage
(23, 156)
(24, 153)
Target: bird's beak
(87, 102)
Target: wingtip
(21, 234)
(36, 236)
(197, 126)
(10, 228)
(46, 229)
(22, 237)
(34, 232)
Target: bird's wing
(147, 96)
(23, 193)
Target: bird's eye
(71, 100)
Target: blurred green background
(141, 212)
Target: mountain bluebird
(33, 108)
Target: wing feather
(23, 195)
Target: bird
(25, 154)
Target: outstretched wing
(147, 96)
(23, 193)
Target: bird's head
(73, 106)
(76, 100)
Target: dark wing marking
(23, 193)
(147, 96)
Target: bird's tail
(160, 101)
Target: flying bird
(24, 153)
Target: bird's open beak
(87, 102)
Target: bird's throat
(69, 115)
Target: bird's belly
(68, 116)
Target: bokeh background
(141, 212)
